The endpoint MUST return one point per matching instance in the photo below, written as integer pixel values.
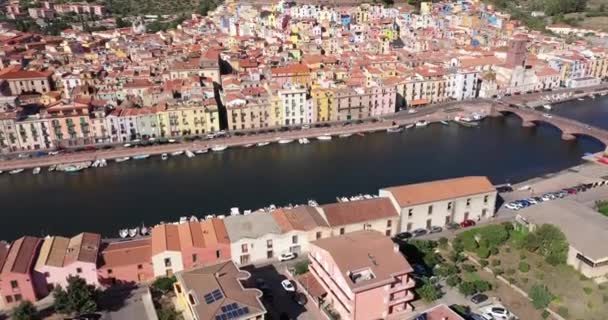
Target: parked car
(498, 312)
(479, 298)
(300, 298)
(403, 236)
(467, 223)
(513, 206)
(435, 229)
(453, 226)
(287, 256)
(477, 316)
(419, 232)
(288, 285)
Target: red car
(467, 223)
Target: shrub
(545, 314)
(524, 266)
(524, 280)
(549, 242)
(540, 295)
(453, 280)
(563, 311)
(163, 284)
(77, 297)
(25, 311)
(482, 285)
(483, 252)
(484, 263)
(468, 268)
(446, 270)
(461, 309)
(508, 250)
(495, 262)
(498, 271)
(494, 251)
(429, 292)
(588, 290)
(301, 267)
(467, 288)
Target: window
(9, 299)
(244, 248)
(218, 253)
(388, 233)
(178, 288)
(194, 258)
(318, 235)
(269, 254)
(485, 199)
(14, 284)
(167, 262)
(341, 230)
(140, 266)
(410, 212)
(78, 270)
(245, 259)
(450, 205)
(109, 271)
(18, 298)
(468, 202)
(294, 239)
(430, 209)
(389, 223)
(269, 244)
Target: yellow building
(189, 119)
(216, 291)
(322, 103)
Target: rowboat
(324, 137)
(177, 153)
(220, 147)
(141, 157)
(261, 144)
(123, 159)
(285, 141)
(36, 170)
(15, 171)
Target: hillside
(158, 7)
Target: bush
(482, 285)
(446, 270)
(498, 271)
(168, 313)
(540, 295)
(484, 263)
(524, 280)
(588, 290)
(453, 280)
(163, 285)
(467, 288)
(301, 267)
(25, 311)
(483, 252)
(462, 310)
(77, 297)
(510, 271)
(563, 311)
(496, 262)
(429, 292)
(494, 251)
(508, 250)
(524, 266)
(549, 242)
(468, 268)
(523, 256)
(545, 314)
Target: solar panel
(217, 294)
(240, 312)
(224, 308)
(209, 299)
(233, 306)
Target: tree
(453, 280)
(163, 284)
(549, 242)
(121, 23)
(79, 297)
(25, 311)
(446, 270)
(467, 288)
(540, 295)
(429, 292)
(301, 267)
(482, 285)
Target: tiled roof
(21, 255)
(127, 253)
(345, 213)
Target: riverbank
(432, 114)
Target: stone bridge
(570, 128)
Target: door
(169, 273)
(428, 223)
(466, 215)
(447, 220)
(409, 226)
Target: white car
(498, 312)
(288, 286)
(513, 206)
(411, 111)
(287, 256)
(532, 201)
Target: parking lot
(279, 303)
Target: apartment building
(371, 282)
(28, 81)
(126, 262)
(441, 202)
(369, 214)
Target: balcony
(410, 283)
(401, 297)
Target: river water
(149, 191)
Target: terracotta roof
(25, 74)
(426, 192)
(52, 252)
(441, 312)
(224, 277)
(375, 252)
(21, 255)
(83, 247)
(165, 237)
(290, 69)
(118, 254)
(303, 218)
(311, 285)
(344, 213)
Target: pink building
(61, 258)
(126, 262)
(439, 312)
(18, 280)
(371, 282)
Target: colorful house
(61, 258)
(126, 262)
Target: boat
(303, 141)
(1, 171)
(409, 126)
(235, 211)
(209, 216)
(127, 145)
(324, 137)
(177, 153)
(548, 116)
(285, 141)
(361, 134)
(141, 157)
(36, 170)
(246, 212)
(467, 123)
(220, 147)
(201, 151)
(422, 123)
(123, 159)
(445, 123)
(172, 141)
(394, 129)
(547, 107)
(103, 163)
(345, 135)
(95, 164)
(249, 145)
(15, 171)
(190, 154)
(72, 168)
(133, 232)
(164, 156)
(261, 144)
(52, 168)
(581, 99)
(313, 203)
(123, 233)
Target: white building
(442, 202)
(369, 214)
(296, 110)
(582, 82)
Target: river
(149, 191)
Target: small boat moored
(36, 170)
(345, 135)
(177, 153)
(445, 123)
(220, 147)
(409, 126)
(201, 151)
(123, 233)
(285, 141)
(324, 137)
(141, 157)
(422, 123)
(190, 154)
(261, 144)
(15, 171)
(394, 129)
(548, 116)
(164, 156)
(123, 159)
(547, 107)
